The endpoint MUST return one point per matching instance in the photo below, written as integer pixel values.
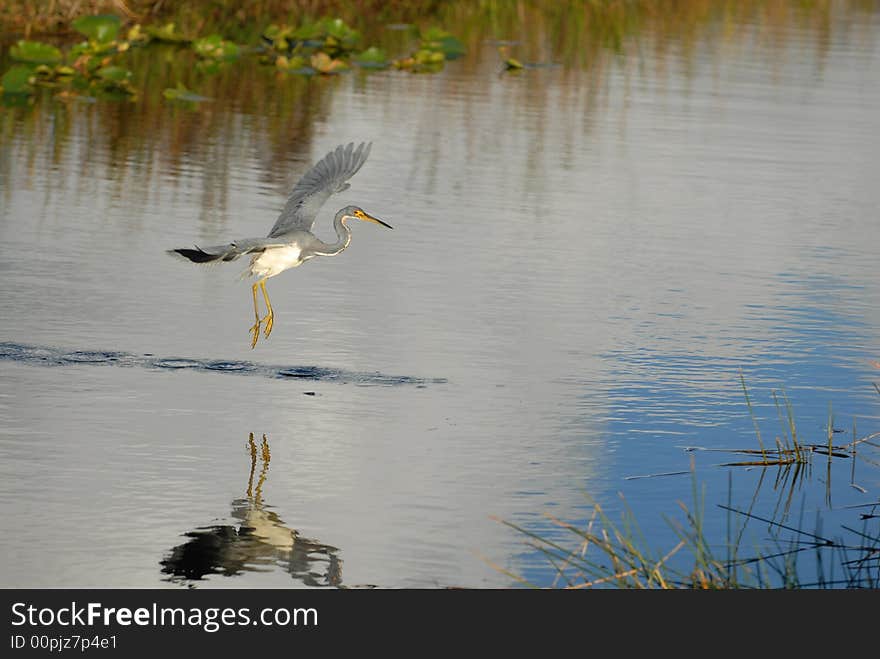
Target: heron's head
(360, 214)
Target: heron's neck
(343, 233)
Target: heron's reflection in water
(258, 543)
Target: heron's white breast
(275, 260)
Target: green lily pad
(92, 47)
(102, 29)
(336, 28)
(512, 64)
(423, 61)
(279, 36)
(181, 93)
(290, 63)
(452, 47)
(115, 74)
(436, 39)
(17, 80)
(310, 31)
(167, 32)
(35, 52)
(371, 58)
(323, 63)
(136, 35)
(214, 47)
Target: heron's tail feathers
(205, 255)
(225, 253)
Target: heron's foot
(270, 322)
(255, 334)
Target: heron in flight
(291, 241)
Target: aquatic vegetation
(167, 32)
(17, 80)
(323, 63)
(442, 41)
(101, 29)
(216, 48)
(609, 554)
(371, 58)
(35, 52)
(295, 64)
(512, 64)
(435, 47)
(92, 70)
(181, 93)
(326, 44)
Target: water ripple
(48, 356)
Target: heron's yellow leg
(255, 330)
(270, 317)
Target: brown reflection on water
(281, 109)
(260, 541)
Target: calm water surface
(584, 257)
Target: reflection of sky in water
(813, 353)
(581, 264)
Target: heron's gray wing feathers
(326, 178)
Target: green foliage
(329, 35)
(280, 37)
(35, 52)
(440, 41)
(214, 47)
(294, 64)
(181, 93)
(114, 74)
(113, 80)
(323, 63)
(325, 46)
(101, 29)
(435, 47)
(322, 46)
(371, 58)
(17, 80)
(512, 64)
(338, 37)
(167, 32)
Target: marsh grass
(603, 552)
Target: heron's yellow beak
(361, 215)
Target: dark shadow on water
(48, 356)
(259, 542)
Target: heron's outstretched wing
(328, 177)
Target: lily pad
(337, 28)
(115, 74)
(181, 93)
(323, 63)
(102, 28)
(512, 64)
(167, 32)
(136, 35)
(35, 52)
(113, 82)
(92, 47)
(441, 41)
(17, 80)
(290, 63)
(371, 58)
(452, 47)
(214, 47)
(279, 37)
